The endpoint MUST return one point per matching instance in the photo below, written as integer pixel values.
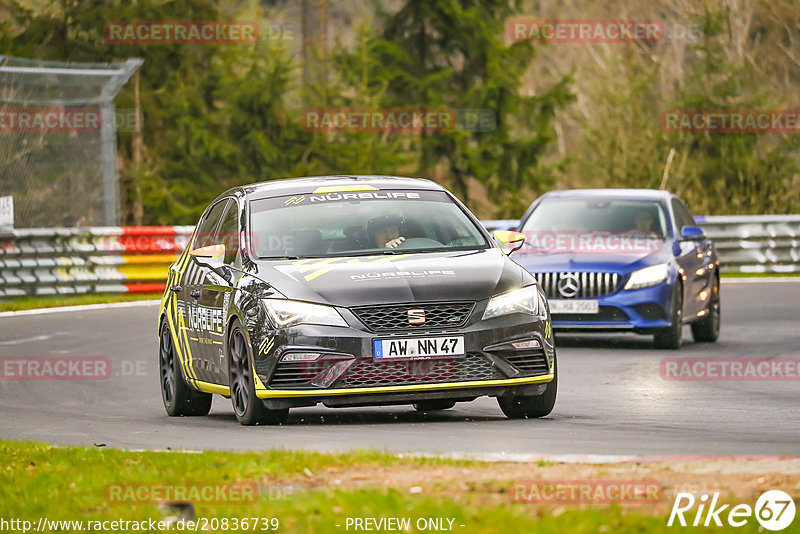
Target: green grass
(757, 275)
(69, 483)
(29, 303)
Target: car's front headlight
(285, 313)
(649, 276)
(525, 300)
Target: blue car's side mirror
(692, 233)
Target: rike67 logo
(774, 510)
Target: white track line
(84, 307)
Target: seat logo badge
(416, 316)
(568, 285)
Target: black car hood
(364, 280)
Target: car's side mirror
(212, 256)
(692, 233)
(509, 241)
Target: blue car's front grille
(578, 285)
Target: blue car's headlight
(649, 276)
(285, 313)
(525, 300)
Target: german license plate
(418, 347)
(574, 306)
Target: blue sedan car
(614, 260)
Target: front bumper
(346, 374)
(641, 310)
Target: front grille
(590, 285)
(650, 311)
(367, 372)
(606, 313)
(291, 375)
(529, 362)
(394, 318)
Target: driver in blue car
(385, 231)
(644, 222)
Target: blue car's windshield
(592, 215)
(597, 226)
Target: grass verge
(758, 275)
(307, 491)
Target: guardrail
(745, 244)
(49, 261)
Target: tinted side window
(229, 232)
(682, 215)
(206, 230)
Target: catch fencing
(58, 140)
(48, 261)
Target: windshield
(596, 226)
(360, 223)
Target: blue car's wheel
(707, 329)
(671, 337)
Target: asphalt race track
(612, 399)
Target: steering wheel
(420, 242)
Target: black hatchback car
(351, 291)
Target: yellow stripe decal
(208, 387)
(322, 262)
(167, 292)
(344, 188)
(175, 337)
(319, 272)
(266, 345)
(187, 349)
(397, 389)
(329, 268)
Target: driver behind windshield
(385, 231)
